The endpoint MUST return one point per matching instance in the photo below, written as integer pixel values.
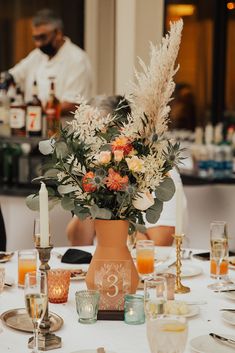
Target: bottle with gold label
(4, 108)
(34, 114)
(52, 111)
(17, 115)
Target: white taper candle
(44, 216)
(179, 209)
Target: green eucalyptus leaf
(52, 173)
(97, 212)
(165, 190)
(51, 191)
(82, 212)
(67, 203)
(66, 189)
(140, 228)
(32, 202)
(52, 202)
(61, 149)
(46, 146)
(153, 213)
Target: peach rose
(104, 157)
(118, 155)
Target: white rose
(143, 201)
(135, 164)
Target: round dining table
(117, 336)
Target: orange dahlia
(115, 181)
(122, 143)
(87, 183)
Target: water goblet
(167, 334)
(35, 291)
(218, 254)
(155, 296)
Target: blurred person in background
(83, 232)
(183, 109)
(55, 56)
(2, 233)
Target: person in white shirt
(55, 56)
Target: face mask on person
(48, 49)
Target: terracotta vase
(111, 245)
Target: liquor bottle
(34, 114)
(17, 115)
(4, 108)
(52, 111)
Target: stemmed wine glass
(219, 254)
(35, 292)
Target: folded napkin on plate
(75, 256)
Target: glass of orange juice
(27, 262)
(145, 258)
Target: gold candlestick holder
(46, 339)
(179, 288)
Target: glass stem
(218, 269)
(35, 325)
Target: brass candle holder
(46, 339)
(179, 288)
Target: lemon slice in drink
(173, 327)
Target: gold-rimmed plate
(18, 319)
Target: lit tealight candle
(134, 309)
(44, 216)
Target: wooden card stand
(112, 315)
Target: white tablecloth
(114, 335)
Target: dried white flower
(151, 94)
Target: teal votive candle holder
(134, 309)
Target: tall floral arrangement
(110, 167)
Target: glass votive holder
(58, 285)
(87, 303)
(2, 278)
(170, 284)
(134, 309)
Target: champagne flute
(35, 291)
(219, 254)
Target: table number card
(113, 280)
